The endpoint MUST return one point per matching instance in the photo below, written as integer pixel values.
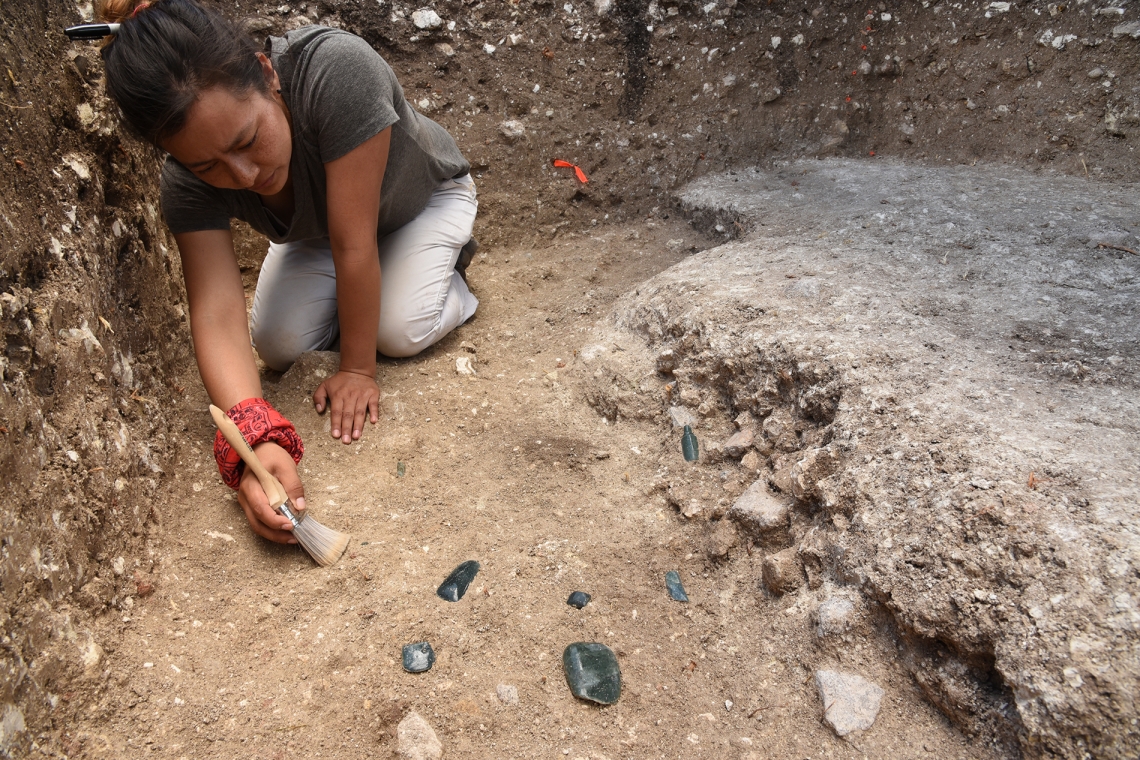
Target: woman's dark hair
(165, 54)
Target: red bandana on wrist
(258, 422)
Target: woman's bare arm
(222, 347)
(354, 183)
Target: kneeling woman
(368, 204)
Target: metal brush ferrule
(286, 509)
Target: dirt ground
(249, 650)
(104, 436)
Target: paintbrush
(325, 545)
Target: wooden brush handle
(274, 491)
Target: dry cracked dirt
(880, 257)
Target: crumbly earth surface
(248, 650)
(103, 432)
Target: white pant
(422, 297)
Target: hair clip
(91, 31)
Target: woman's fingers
(263, 519)
(320, 398)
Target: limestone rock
(681, 417)
(834, 616)
(722, 540)
(783, 572)
(739, 443)
(751, 462)
(508, 695)
(417, 740)
(759, 511)
(850, 702)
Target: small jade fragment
(400, 469)
(418, 657)
(673, 584)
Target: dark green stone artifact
(578, 599)
(418, 657)
(592, 672)
(676, 590)
(400, 469)
(689, 447)
(456, 584)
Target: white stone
(488, 48)
(759, 511)
(512, 129)
(833, 616)
(426, 18)
(463, 366)
(1131, 29)
(850, 702)
(416, 740)
(508, 695)
(681, 417)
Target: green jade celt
(455, 585)
(592, 672)
(689, 446)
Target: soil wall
(93, 333)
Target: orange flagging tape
(558, 162)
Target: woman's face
(237, 141)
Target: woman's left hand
(350, 397)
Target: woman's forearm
(218, 320)
(225, 356)
(358, 307)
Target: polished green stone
(592, 672)
(418, 657)
(400, 469)
(690, 449)
(673, 584)
(455, 585)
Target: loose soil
(248, 650)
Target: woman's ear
(271, 78)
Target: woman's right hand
(263, 519)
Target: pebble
(759, 510)
(690, 449)
(783, 571)
(508, 695)
(833, 616)
(579, 599)
(850, 702)
(751, 462)
(673, 584)
(426, 18)
(464, 367)
(488, 48)
(681, 417)
(1131, 29)
(455, 585)
(722, 540)
(739, 443)
(592, 672)
(513, 130)
(416, 739)
(418, 657)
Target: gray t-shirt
(340, 93)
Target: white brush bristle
(325, 545)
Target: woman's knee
(277, 347)
(397, 344)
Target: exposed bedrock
(937, 370)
